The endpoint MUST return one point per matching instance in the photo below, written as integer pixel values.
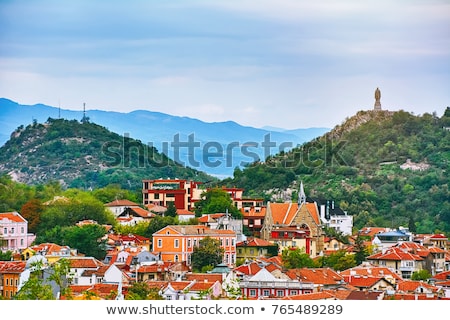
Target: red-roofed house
(10, 272)
(404, 263)
(176, 243)
(14, 232)
(132, 216)
(409, 286)
(253, 218)
(323, 278)
(119, 206)
(294, 225)
(254, 248)
(366, 283)
(265, 285)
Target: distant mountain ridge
(216, 147)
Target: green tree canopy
(207, 253)
(216, 200)
(296, 258)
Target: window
(189, 243)
(266, 292)
(176, 243)
(159, 243)
(280, 293)
(176, 258)
(22, 230)
(232, 242)
(12, 230)
(5, 231)
(252, 251)
(227, 242)
(156, 196)
(294, 292)
(252, 293)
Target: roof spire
(301, 194)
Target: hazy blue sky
(283, 63)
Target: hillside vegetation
(357, 164)
(85, 155)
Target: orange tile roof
(12, 216)
(12, 266)
(254, 242)
(324, 276)
(394, 254)
(373, 271)
(84, 262)
(406, 296)
(313, 211)
(362, 282)
(200, 286)
(195, 230)
(279, 211)
(254, 213)
(184, 212)
(248, 269)
(208, 277)
(411, 286)
(324, 295)
(442, 275)
(122, 203)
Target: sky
(279, 63)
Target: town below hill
(183, 242)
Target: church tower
(301, 195)
(377, 106)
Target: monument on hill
(377, 105)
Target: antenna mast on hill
(84, 119)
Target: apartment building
(175, 243)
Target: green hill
(358, 164)
(85, 155)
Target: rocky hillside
(85, 155)
(385, 168)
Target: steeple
(301, 194)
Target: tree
(296, 258)
(5, 256)
(141, 291)
(216, 200)
(31, 211)
(208, 253)
(87, 239)
(171, 211)
(36, 288)
(421, 275)
(340, 260)
(361, 251)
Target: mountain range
(216, 148)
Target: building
(10, 272)
(334, 217)
(254, 248)
(175, 243)
(181, 193)
(265, 285)
(119, 206)
(14, 232)
(404, 263)
(253, 218)
(294, 225)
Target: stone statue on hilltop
(377, 105)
